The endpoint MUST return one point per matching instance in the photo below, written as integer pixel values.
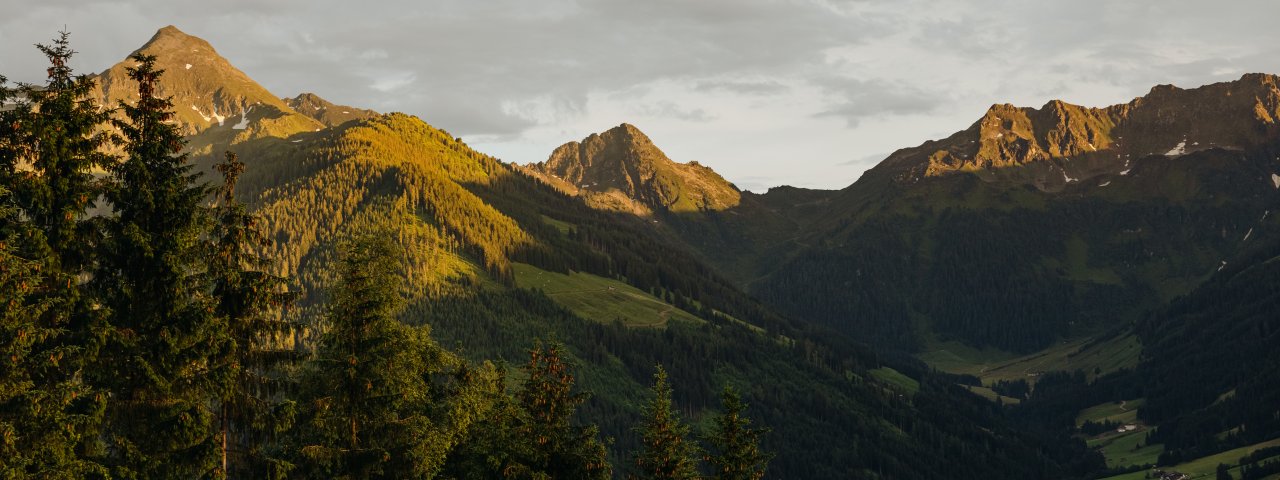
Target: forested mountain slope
(1211, 363)
(465, 218)
(1033, 225)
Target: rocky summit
(621, 169)
(213, 100)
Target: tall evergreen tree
(557, 447)
(50, 141)
(55, 131)
(159, 333)
(531, 434)
(251, 412)
(737, 454)
(665, 452)
(492, 447)
(385, 401)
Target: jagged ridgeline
(493, 257)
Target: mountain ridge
(1060, 143)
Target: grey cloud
(469, 53)
(859, 100)
(742, 87)
(666, 109)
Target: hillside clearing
(601, 299)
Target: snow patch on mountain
(244, 120)
(202, 115)
(215, 115)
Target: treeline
(146, 342)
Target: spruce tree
(384, 400)
(531, 434)
(57, 132)
(736, 446)
(557, 447)
(50, 142)
(248, 302)
(159, 332)
(665, 451)
(492, 447)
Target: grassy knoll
(601, 299)
(1120, 412)
(562, 226)
(1124, 449)
(956, 357)
(990, 394)
(897, 379)
(993, 365)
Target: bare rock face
(621, 169)
(1059, 143)
(212, 99)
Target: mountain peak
(628, 133)
(621, 169)
(213, 100)
(629, 128)
(169, 39)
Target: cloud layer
(767, 92)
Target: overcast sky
(798, 92)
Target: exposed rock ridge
(1061, 143)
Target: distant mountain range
(1029, 228)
